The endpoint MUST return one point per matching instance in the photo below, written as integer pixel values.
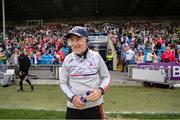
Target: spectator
(56, 59)
(149, 57)
(140, 57)
(2, 57)
(155, 57)
(178, 55)
(14, 57)
(168, 55)
(61, 55)
(123, 54)
(109, 59)
(129, 57)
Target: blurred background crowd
(133, 42)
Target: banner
(174, 68)
(98, 39)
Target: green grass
(30, 114)
(118, 99)
(45, 97)
(42, 114)
(142, 99)
(145, 116)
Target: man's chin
(77, 52)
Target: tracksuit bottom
(89, 113)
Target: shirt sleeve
(63, 80)
(104, 74)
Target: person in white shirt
(129, 57)
(149, 57)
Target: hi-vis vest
(109, 57)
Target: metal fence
(35, 71)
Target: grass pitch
(120, 102)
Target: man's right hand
(77, 102)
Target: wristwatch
(71, 99)
(102, 90)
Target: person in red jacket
(168, 55)
(61, 56)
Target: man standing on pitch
(24, 64)
(84, 78)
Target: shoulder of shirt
(69, 57)
(92, 53)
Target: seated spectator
(61, 55)
(140, 57)
(155, 57)
(168, 55)
(56, 59)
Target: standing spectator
(129, 57)
(123, 56)
(83, 73)
(24, 64)
(149, 57)
(14, 57)
(109, 59)
(14, 61)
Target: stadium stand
(41, 42)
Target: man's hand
(95, 95)
(77, 102)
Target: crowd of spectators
(133, 42)
(43, 45)
(147, 42)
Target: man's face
(78, 44)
